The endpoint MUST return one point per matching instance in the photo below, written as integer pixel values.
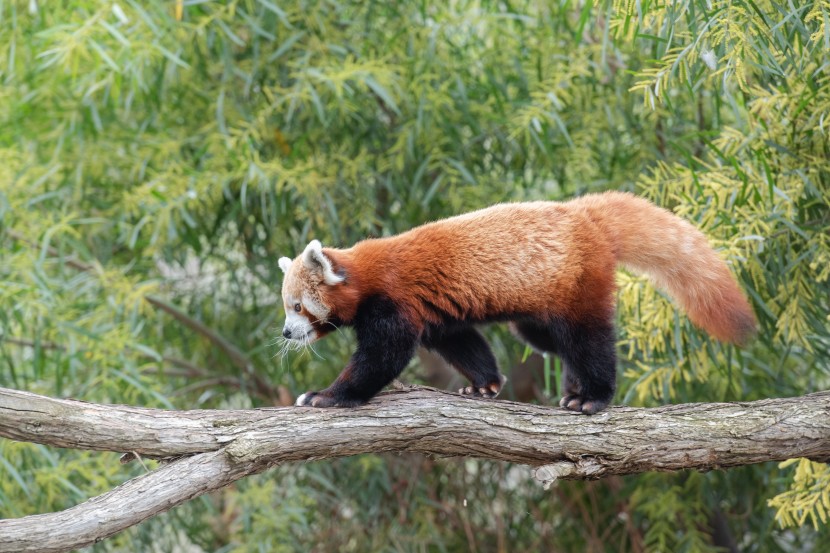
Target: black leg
(385, 344)
(465, 349)
(588, 357)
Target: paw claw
(589, 407)
(322, 401)
(490, 390)
(575, 404)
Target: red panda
(547, 268)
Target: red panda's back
(506, 260)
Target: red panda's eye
(298, 307)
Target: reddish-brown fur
(542, 259)
(547, 267)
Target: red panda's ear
(285, 263)
(316, 261)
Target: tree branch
(223, 446)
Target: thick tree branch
(223, 446)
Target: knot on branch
(586, 468)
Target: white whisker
(334, 326)
(285, 345)
(315, 351)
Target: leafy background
(156, 158)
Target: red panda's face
(306, 309)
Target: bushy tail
(677, 256)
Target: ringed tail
(678, 257)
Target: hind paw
(580, 404)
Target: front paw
(321, 399)
(315, 399)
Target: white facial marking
(298, 325)
(314, 307)
(300, 400)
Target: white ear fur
(316, 260)
(285, 263)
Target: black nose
(286, 332)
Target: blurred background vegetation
(157, 157)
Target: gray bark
(220, 447)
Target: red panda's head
(308, 310)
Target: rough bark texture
(223, 446)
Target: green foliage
(809, 496)
(673, 514)
(177, 149)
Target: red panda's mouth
(302, 336)
(298, 329)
